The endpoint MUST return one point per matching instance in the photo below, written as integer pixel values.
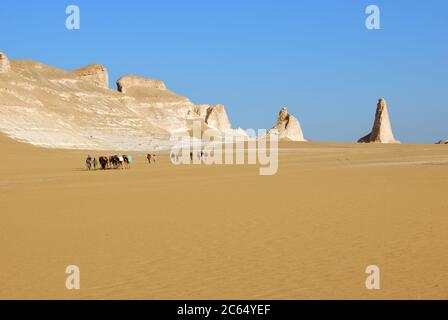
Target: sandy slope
(225, 232)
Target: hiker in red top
(149, 156)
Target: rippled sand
(224, 232)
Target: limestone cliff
(94, 73)
(126, 83)
(215, 116)
(50, 107)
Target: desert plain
(162, 231)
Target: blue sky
(314, 56)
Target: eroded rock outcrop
(217, 118)
(94, 73)
(127, 82)
(287, 127)
(50, 107)
(4, 63)
(443, 142)
(382, 128)
(214, 116)
(200, 110)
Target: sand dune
(212, 232)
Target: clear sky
(314, 56)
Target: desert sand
(224, 232)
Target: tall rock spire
(382, 129)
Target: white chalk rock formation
(215, 116)
(94, 73)
(442, 142)
(54, 108)
(382, 129)
(126, 83)
(4, 63)
(287, 127)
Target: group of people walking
(200, 155)
(151, 158)
(114, 162)
(124, 161)
(111, 162)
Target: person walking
(89, 163)
(95, 163)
